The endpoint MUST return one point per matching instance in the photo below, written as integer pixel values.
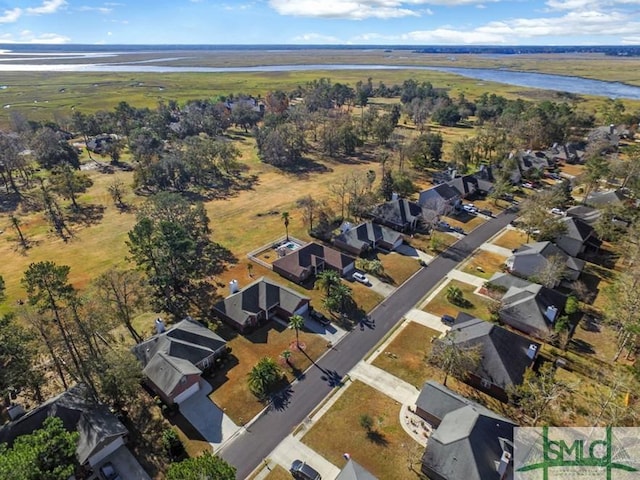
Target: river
(576, 85)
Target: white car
(470, 207)
(361, 277)
(557, 211)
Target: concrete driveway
(125, 464)
(205, 416)
(293, 449)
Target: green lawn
(385, 452)
(477, 306)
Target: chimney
(612, 129)
(160, 328)
(505, 459)
(532, 350)
(233, 287)
(551, 313)
(394, 196)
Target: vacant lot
(484, 264)
(384, 451)
(476, 305)
(511, 239)
(405, 357)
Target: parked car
(442, 226)
(318, 316)
(302, 471)
(447, 319)
(109, 472)
(486, 212)
(527, 185)
(361, 277)
(458, 230)
(470, 208)
(557, 211)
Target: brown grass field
(484, 264)
(511, 239)
(385, 453)
(478, 306)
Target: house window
(485, 383)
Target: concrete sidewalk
(388, 384)
(490, 247)
(466, 278)
(427, 319)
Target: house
(588, 215)
(100, 144)
(505, 356)
(530, 308)
(604, 198)
(531, 258)
(529, 161)
(258, 302)
(578, 236)
(471, 186)
(354, 471)
(442, 198)
(173, 360)
(403, 215)
(102, 437)
(312, 259)
(570, 152)
(367, 236)
(469, 442)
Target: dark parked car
(486, 212)
(442, 226)
(458, 230)
(302, 471)
(316, 315)
(447, 319)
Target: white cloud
(48, 6)
(351, 9)
(27, 36)
(588, 4)
(11, 16)
(316, 38)
(103, 10)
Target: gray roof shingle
(354, 471)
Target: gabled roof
(434, 197)
(469, 442)
(187, 340)
(600, 199)
(94, 422)
(587, 214)
(261, 295)
(437, 400)
(354, 471)
(366, 233)
(298, 261)
(504, 354)
(507, 280)
(577, 229)
(401, 212)
(546, 250)
(529, 306)
(166, 372)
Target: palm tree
(263, 377)
(286, 355)
(285, 219)
(454, 295)
(296, 322)
(327, 281)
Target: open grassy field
(484, 264)
(511, 239)
(477, 305)
(384, 452)
(405, 357)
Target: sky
(358, 22)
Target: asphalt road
(252, 446)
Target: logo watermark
(599, 453)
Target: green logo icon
(577, 453)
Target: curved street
(256, 442)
